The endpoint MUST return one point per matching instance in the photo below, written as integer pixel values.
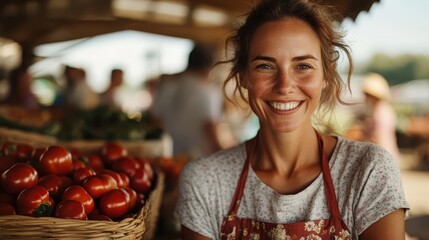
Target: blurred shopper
(78, 94)
(20, 92)
(111, 96)
(379, 122)
(189, 107)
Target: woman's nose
(283, 83)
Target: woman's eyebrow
(265, 58)
(304, 57)
(297, 58)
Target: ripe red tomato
(23, 152)
(75, 153)
(6, 209)
(5, 163)
(94, 161)
(35, 156)
(56, 160)
(133, 197)
(125, 179)
(77, 163)
(115, 203)
(119, 181)
(20, 152)
(112, 151)
(141, 201)
(34, 201)
(79, 175)
(144, 163)
(70, 209)
(98, 185)
(148, 168)
(79, 194)
(7, 148)
(4, 147)
(127, 165)
(55, 184)
(141, 181)
(19, 177)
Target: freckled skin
(284, 64)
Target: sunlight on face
(284, 74)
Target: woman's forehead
(291, 34)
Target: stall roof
(34, 22)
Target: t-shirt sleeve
(380, 188)
(192, 205)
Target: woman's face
(284, 74)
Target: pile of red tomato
(57, 182)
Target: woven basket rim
(18, 226)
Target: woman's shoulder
(346, 144)
(360, 152)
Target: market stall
(43, 169)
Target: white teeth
(284, 106)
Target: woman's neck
(285, 153)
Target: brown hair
(319, 17)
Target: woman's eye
(304, 66)
(264, 66)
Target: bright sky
(391, 27)
(140, 55)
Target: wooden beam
(233, 6)
(46, 29)
(69, 30)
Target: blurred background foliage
(398, 69)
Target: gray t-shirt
(185, 104)
(366, 179)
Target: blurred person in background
(20, 92)
(377, 120)
(189, 107)
(110, 97)
(78, 94)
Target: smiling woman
(296, 182)
(280, 76)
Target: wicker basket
(141, 226)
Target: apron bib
(234, 227)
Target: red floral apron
(234, 227)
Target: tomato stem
(44, 210)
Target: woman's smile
(285, 106)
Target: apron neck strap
(235, 203)
(327, 179)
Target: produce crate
(143, 148)
(141, 226)
(35, 139)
